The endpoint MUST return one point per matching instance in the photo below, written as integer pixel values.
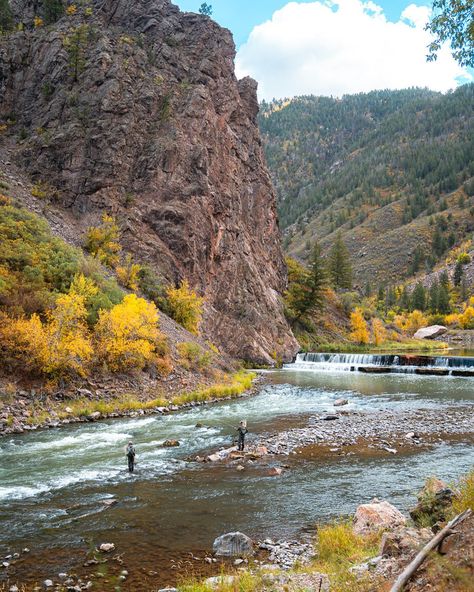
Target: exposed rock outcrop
(134, 108)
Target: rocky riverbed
(389, 431)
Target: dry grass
(465, 499)
(231, 386)
(339, 549)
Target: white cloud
(333, 47)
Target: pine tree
(306, 290)
(53, 10)
(6, 16)
(464, 292)
(443, 300)
(418, 298)
(404, 299)
(339, 264)
(458, 273)
(434, 297)
(444, 280)
(205, 9)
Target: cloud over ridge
(336, 47)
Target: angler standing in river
(131, 457)
(242, 430)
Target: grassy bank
(232, 386)
(411, 345)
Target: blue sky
(333, 47)
(240, 16)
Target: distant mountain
(392, 170)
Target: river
(53, 483)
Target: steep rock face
(133, 108)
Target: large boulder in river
(430, 332)
(233, 544)
(378, 515)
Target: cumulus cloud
(334, 47)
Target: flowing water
(53, 483)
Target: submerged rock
(233, 544)
(170, 443)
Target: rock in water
(233, 544)
(170, 443)
(107, 547)
(430, 332)
(378, 515)
(340, 402)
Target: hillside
(392, 170)
(134, 110)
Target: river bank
(25, 411)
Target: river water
(53, 483)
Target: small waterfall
(379, 363)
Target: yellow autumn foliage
(102, 241)
(185, 306)
(379, 332)
(128, 335)
(57, 347)
(411, 322)
(466, 319)
(360, 332)
(128, 273)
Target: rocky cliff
(133, 108)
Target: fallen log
(411, 568)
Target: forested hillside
(391, 170)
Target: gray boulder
(233, 544)
(430, 332)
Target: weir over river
(381, 363)
(54, 484)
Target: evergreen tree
(464, 293)
(444, 280)
(53, 10)
(6, 16)
(443, 300)
(434, 296)
(418, 259)
(458, 273)
(306, 288)
(390, 298)
(439, 242)
(205, 9)
(404, 299)
(418, 298)
(339, 264)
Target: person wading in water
(131, 457)
(242, 430)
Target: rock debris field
(388, 431)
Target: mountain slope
(379, 167)
(134, 109)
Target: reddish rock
(378, 515)
(156, 129)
